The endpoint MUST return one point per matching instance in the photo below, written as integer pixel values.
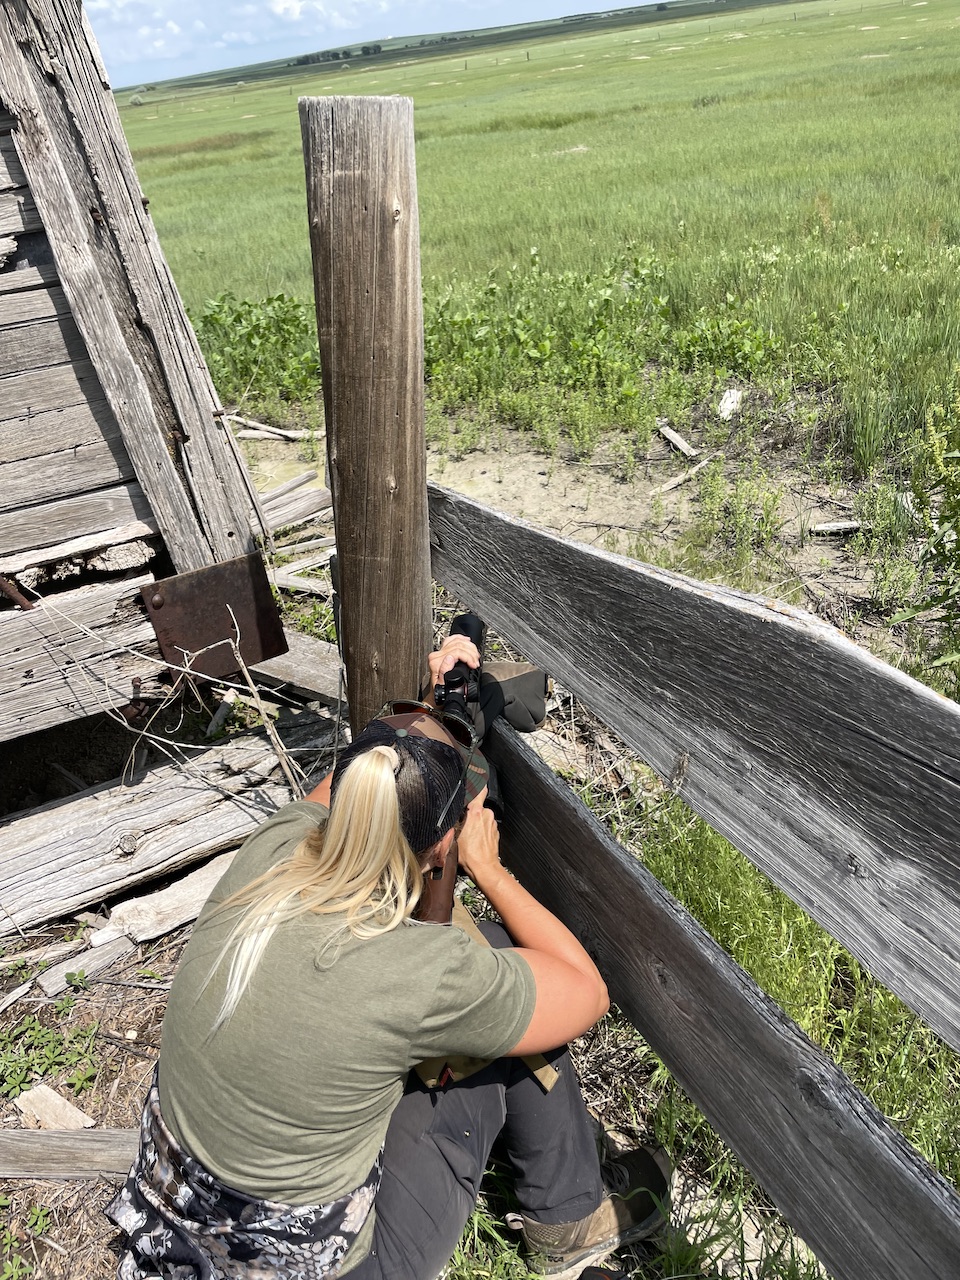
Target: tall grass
(793, 170)
(900, 1064)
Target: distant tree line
(335, 55)
(369, 50)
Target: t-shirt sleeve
(479, 1001)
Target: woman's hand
(478, 844)
(453, 650)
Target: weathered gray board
(837, 775)
(39, 345)
(858, 1193)
(309, 669)
(54, 522)
(75, 654)
(67, 139)
(58, 1154)
(69, 854)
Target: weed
(266, 347)
(887, 525)
(30, 1051)
(14, 1265)
(740, 517)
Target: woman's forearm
(530, 924)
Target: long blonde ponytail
(358, 865)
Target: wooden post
(364, 236)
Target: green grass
(791, 171)
(902, 1066)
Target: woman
(285, 1135)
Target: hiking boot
(636, 1204)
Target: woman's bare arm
(571, 994)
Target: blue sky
(146, 40)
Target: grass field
(785, 176)
(614, 226)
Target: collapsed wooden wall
(114, 454)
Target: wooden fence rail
(838, 776)
(859, 1194)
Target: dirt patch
(620, 505)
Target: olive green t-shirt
(290, 1100)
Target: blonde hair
(358, 865)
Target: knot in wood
(128, 842)
(397, 213)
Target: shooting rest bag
(437, 1072)
(515, 690)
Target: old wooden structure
(115, 459)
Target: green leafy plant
(268, 347)
(30, 1051)
(936, 494)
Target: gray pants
(438, 1145)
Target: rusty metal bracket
(197, 614)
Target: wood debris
(157, 913)
(676, 439)
(686, 475)
(46, 954)
(44, 1108)
(834, 528)
(89, 963)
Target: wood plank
(47, 1109)
(365, 244)
(39, 345)
(42, 390)
(124, 301)
(28, 278)
(40, 1154)
(89, 962)
(303, 505)
(30, 527)
(288, 486)
(18, 213)
(29, 305)
(41, 955)
(75, 654)
(309, 669)
(62, 474)
(838, 776)
(103, 538)
(61, 857)
(76, 426)
(11, 170)
(6, 121)
(857, 1192)
(306, 586)
(155, 914)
